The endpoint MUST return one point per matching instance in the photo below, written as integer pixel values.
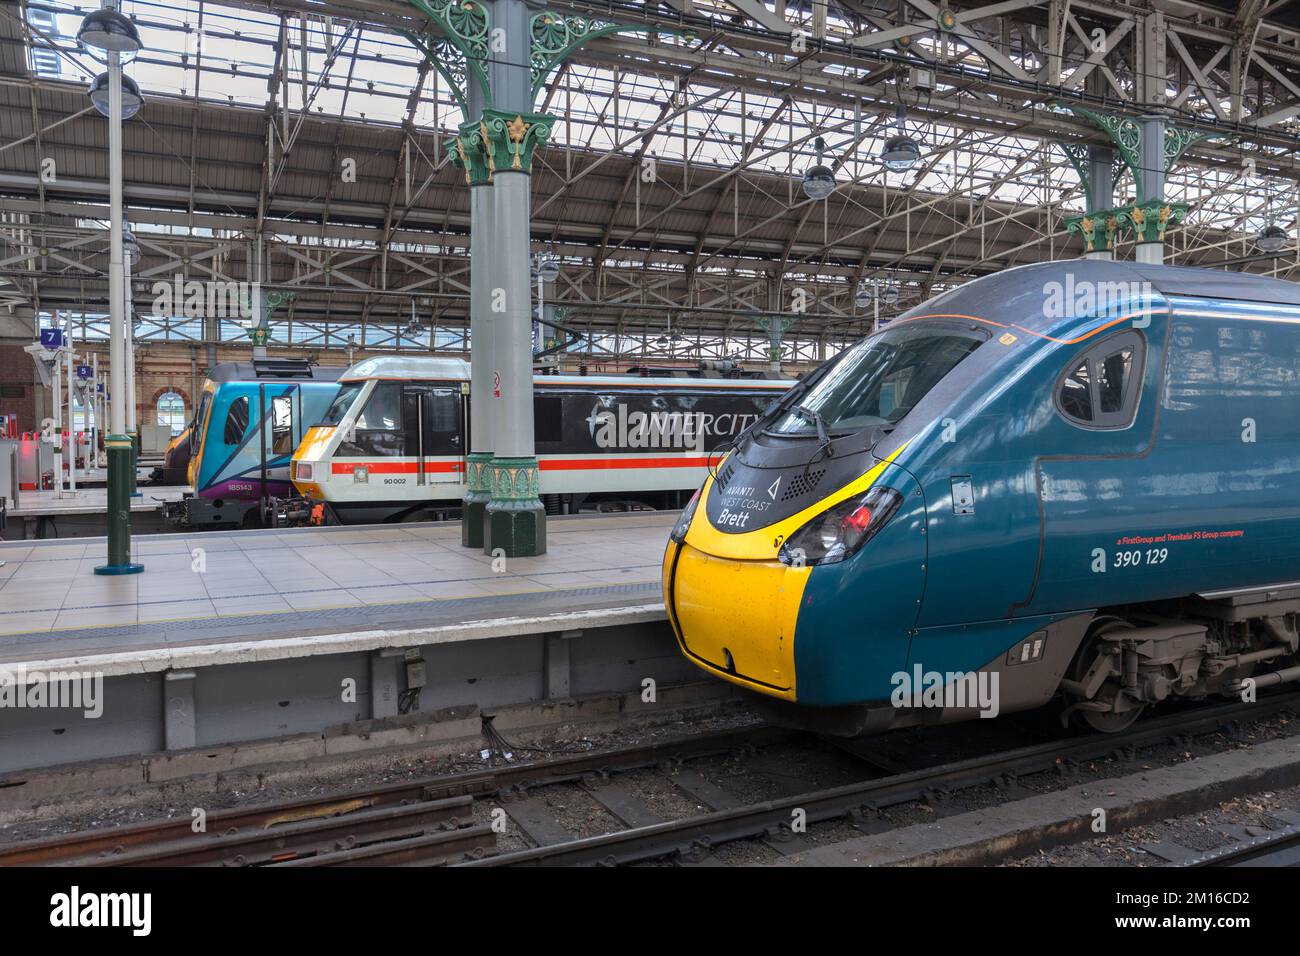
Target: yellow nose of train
(310, 461)
(734, 604)
(740, 601)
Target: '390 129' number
(1134, 558)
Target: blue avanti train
(1075, 478)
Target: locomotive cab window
(379, 428)
(342, 402)
(236, 421)
(1101, 388)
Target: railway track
(1281, 848)
(426, 821)
(692, 838)
(432, 821)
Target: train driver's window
(379, 430)
(1076, 394)
(282, 425)
(236, 421)
(1101, 389)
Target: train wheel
(1106, 721)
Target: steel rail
(691, 836)
(119, 842)
(1260, 851)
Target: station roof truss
(670, 187)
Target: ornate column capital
(512, 138)
(1149, 220)
(1097, 230)
(470, 152)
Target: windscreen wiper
(815, 418)
(824, 449)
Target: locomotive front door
(431, 417)
(280, 417)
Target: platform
(98, 477)
(286, 593)
(35, 507)
(238, 636)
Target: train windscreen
(880, 380)
(342, 402)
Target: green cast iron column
(514, 520)
(468, 152)
(1149, 146)
(496, 56)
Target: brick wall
(17, 371)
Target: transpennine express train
(1077, 478)
(249, 420)
(392, 446)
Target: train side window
(548, 419)
(236, 421)
(282, 425)
(1101, 389)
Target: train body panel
(252, 431)
(249, 419)
(1056, 480)
(374, 456)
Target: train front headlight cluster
(840, 532)
(301, 471)
(684, 522)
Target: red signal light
(859, 519)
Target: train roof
(275, 370)
(1019, 294)
(407, 367)
(411, 367)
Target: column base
(514, 520)
(516, 528)
(119, 569)
(472, 508)
(476, 498)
